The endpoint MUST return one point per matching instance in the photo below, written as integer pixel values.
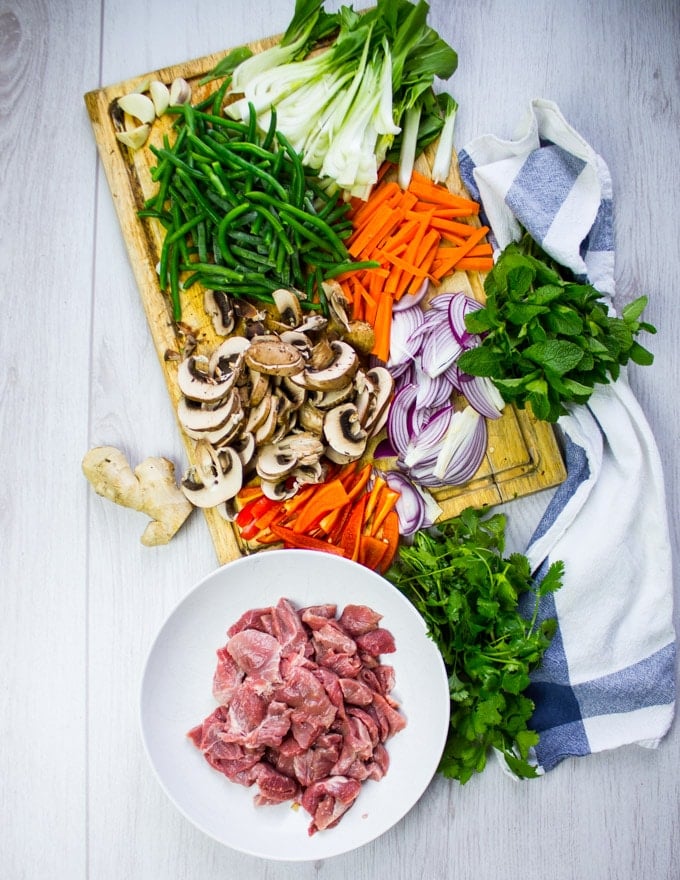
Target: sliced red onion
(432, 392)
(415, 508)
(459, 455)
(459, 306)
(402, 350)
(439, 350)
(409, 300)
(399, 420)
(430, 437)
(482, 394)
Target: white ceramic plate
(176, 696)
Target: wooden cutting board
(522, 455)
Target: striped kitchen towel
(608, 679)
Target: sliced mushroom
(273, 357)
(383, 385)
(259, 387)
(278, 490)
(199, 419)
(311, 418)
(343, 432)
(310, 473)
(265, 431)
(214, 479)
(288, 305)
(244, 447)
(336, 375)
(326, 400)
(197, 382)
(337, 302)
(259, 413)
(300, 340)
(220, 310)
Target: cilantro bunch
(468, 594)
(547, 339)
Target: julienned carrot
(355, 527)
(414, 234)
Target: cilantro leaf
(468, 593)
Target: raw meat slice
(255, 618)
(359, 619)
(378, 641)
(287, 628)
(228, 676)
(257, 653)
(328, 800)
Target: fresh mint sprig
(548, 339)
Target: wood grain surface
(522, 457)
(83, 599)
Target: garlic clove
(160, 95)
(136, 137)
(180, 91)
(138, 105)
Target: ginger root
(150, 489)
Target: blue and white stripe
(608, 678)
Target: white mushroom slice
(160, 95)
(135, 138)
(310, 473)
(214, 478)
(259, 413)
(278, 490)
(336, 375)
(343, 432)
(275, 461)
(196, 381)
(337, 302)
(228, 355)
(219, 308)
(259, 387)
(310, 418)
(380, 401)
(244, 447)
(313, 324)
(273, 357)
(288, 304)
(293, 395)
(300, 340)
(326, 400)
(225, 433)
(265, 431)
(197, 418)
(138, 106)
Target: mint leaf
(546, 339)
(557, 355)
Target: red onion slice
(409, 300)
(459, 306)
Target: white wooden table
(82, 599)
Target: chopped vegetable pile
(413, 236)
(469, 595)
(351, 514)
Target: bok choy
(342, 86)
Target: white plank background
(82, 599)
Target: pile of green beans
(242, 213)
